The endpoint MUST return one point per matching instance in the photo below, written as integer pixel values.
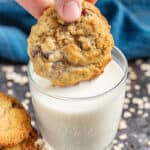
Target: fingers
(92, 1)
(69, 10)
(35, 7)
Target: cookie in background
(16, 132)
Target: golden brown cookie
(68, 53)
(14, 121)
(27, 144)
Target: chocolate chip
(46, 55)
(16, 105)
(36, 51)
(84, 12)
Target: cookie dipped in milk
(77, 80)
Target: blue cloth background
(130, 20)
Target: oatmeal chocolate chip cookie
(14, 121)
(27, 144)
(68, 53)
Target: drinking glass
(88, 123)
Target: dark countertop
(134, 130)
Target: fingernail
(71, 11)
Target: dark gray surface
(134, 130)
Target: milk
(81, 117)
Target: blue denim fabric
(130, 21)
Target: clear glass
(67, 124)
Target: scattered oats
(128, 87)
(14, 77)
(141, 106)
(24, 80)
(121, 145)
(116, 147)
(147, 73)
(140, 140)
(145, 67)
(132, 110)
(148, 143)
(26, 101)
(139, 112)
(137, 87)
(128, 81)
(129, 95)
(145, 99)
(137, 101)
(139, 61)
(24, 68)
(9, 76)
(9, 84)
(28, 94)
(133, 76)
(147, 105)
(125, 106)
(127, 101)
(33, 123)
(10, 92)
(123, 137)
(25, 105)
(17, 78)
(148, 88)
(127, 114)
(122, 125)
(8, 69)
(115, 141)
(145, 115)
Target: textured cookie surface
(27, 144)
(68, 53)
(14, 121)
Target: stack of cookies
(16, 132)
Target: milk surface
(107, 80)
(86, 120)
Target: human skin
(69, 10)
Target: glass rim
(122, 80)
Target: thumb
(69, 10)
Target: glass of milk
(84, 116)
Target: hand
(69, 10)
